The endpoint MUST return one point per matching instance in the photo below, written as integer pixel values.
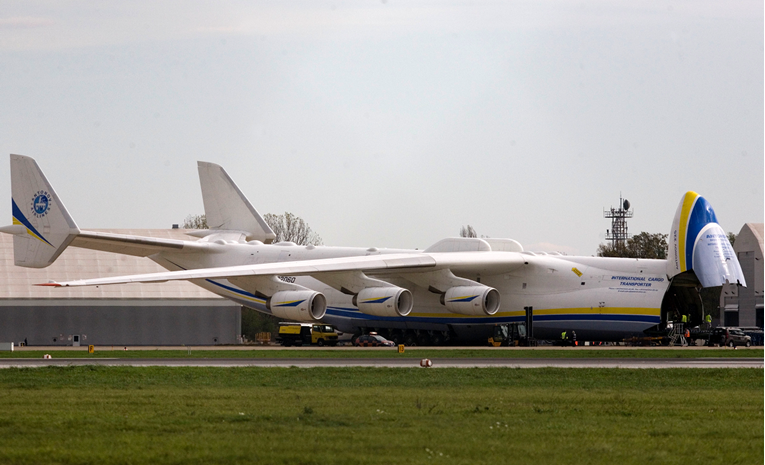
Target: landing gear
(397, 337)
(424, 339)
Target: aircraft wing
(138, 246)
(398, 264)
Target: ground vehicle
(306, 333)
(372, 340)
(512, 334)
(730, 337)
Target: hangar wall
(172, 313)
(743, 306)
(120, 323)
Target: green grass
(420, 352)
(394, 416)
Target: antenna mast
(618, 234)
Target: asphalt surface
(396, 363)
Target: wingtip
(51, 284)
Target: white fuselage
(599, 298)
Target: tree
(731, 238)
(254, 322)
(643, 245)
(292, 228)
(468, 231)
(287, 227)
(195, 222)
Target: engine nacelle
(471, 300)
(306, 306)
(384, 301)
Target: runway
(629, 363)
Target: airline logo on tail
(41, 204)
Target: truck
(298, 334)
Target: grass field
(391, 416)
(419, 352)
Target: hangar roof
(751, 236)
(76, 263)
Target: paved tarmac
(396, 363)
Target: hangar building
(172, 313)
(742, 306)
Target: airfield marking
(396, 363)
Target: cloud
(25, 22)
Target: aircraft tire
(424, 339)
(410, 339)
(396, 337)
(437, 339)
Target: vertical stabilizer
(697, 243)
(42, 227)
(226, 207)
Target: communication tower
(618, 234)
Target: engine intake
(306, 306)
(471, 300)
(384, 301)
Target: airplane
(458, 289)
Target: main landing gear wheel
(423, 339)
(396, 337)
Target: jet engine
(471, 300)
(307, 306)
(384, 301)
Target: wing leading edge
(422, 264)
(298, 268)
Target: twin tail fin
(42, 227)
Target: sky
(391, 123)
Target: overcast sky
(391, 123)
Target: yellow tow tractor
(297, 334)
